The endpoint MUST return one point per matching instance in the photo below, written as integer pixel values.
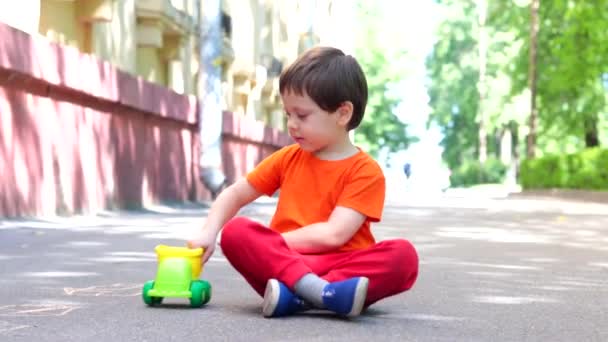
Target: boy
(319, 251)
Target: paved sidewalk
(502, 191)
(491, 270)
(564, 194)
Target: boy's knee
(407, 251)
(233, 231)
(406, 261)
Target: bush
(473, 172)
(552, 175)
(587, 169)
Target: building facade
(159, 40)
(99, 99)
(266, 36)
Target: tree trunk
(506, 146)
(592, 138)
(210, 87)
(482, 7)
(514, 128)
(532, 77)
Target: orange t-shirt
(310, 189)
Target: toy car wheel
(198, 294)
(206, 290)
(149, 285)
(157, 300)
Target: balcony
(157, 19)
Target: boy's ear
(345, 113)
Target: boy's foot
(280, 301)
(346, 297)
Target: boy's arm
(320, 237)
(225, 206)
(361, 199)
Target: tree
(453, 70)
(532, 77)
(380, 128)
(482, 86)
(471, 85)
(572, 55)
(545, 71)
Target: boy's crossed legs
(345, 298)
(341, 282)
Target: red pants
(259, 254)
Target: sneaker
(280, 301)
(346, 298)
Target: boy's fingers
(207, 254)
(193, 244)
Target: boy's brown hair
(330, 78)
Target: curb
(566, 194)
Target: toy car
(177, 276)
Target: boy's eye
(299, 116)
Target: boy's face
(313, 128)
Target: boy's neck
(342, 149)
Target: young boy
(319, 251)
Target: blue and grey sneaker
(280, 301)
(346, 297)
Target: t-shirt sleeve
(365, 191)
(266, 176)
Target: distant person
(319, 251)
(407, 169)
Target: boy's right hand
(206, 240)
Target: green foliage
(587, 169)
(572, 85)
(454, 74)
(473, 172)
(380, 127)
(453, 69)
(572, 57)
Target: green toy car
(177, 276)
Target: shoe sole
(360, 296)
(271, 298)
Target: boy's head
(330, 78)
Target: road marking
(113, 290)
(6, 327)
(59, 274)
(28, 310)
(513, 299)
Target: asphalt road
(491, 270)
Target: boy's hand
(206, 240)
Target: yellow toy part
(194, 255)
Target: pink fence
(79, 135)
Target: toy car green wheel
(149, 285)
(198, 294)
(206, 290)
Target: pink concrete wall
(79, 135)
(245, 142)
